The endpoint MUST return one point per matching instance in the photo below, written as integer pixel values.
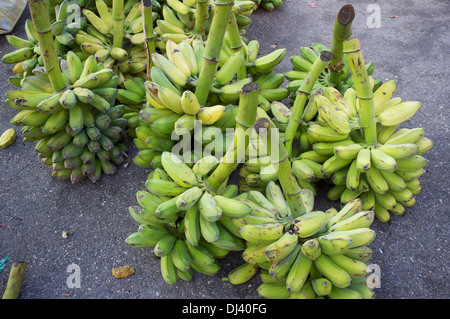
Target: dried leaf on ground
(123, 271)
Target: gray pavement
(410, 46)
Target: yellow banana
(400, 151)
(361, 219)
(210, 114)
(189, 55)
(398, 113)
(175, 75)
(175, 55)
(170, 99)
(382, 95)
(189, 103)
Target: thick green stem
(245, 118)
(363, 88)
(236, 44)
(302, 95)
(48, 5)
(150, 36)
(41, 22)
(270, 136)
(119, 19)
(213, 46)
(201, 16)
(233, 34)
(15, 280)
(342, 31)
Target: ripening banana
(180, 172)
(241, 273)
(71, 115)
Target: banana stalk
(200, 15)
(233, 33)
(119, 19)
(15, 280)
(342, 31)
(269, 134)
(150, 36)
(245, 117)
(302, 96)
(236, 43)
(43, 26)
(363, 88)
(213, 46)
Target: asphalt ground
(409, 45)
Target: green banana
(310, 223)
(241, 274)
(282, 247)
(298, 273)
(337, 275)
(180, 172)
(164, 245)
(181, 256)
(232, 207)
(262, 233)
(209, 208)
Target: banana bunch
(79, 129)
(64, 32)
(258, 170)
(134, 66)
(129, 61)
(175, 23)
(269, 5)
(26, 56)
(257, 173)
(382, 175)
(178, 19)
(179, 71)
(302, 63)
(149, 124)
(132, 95)
(97, 38)
(171, 107)
(186, 224)
(173, 79)
(242, 10)
(262, 68)
(316, 254)
(155, 128)
(385, 177)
